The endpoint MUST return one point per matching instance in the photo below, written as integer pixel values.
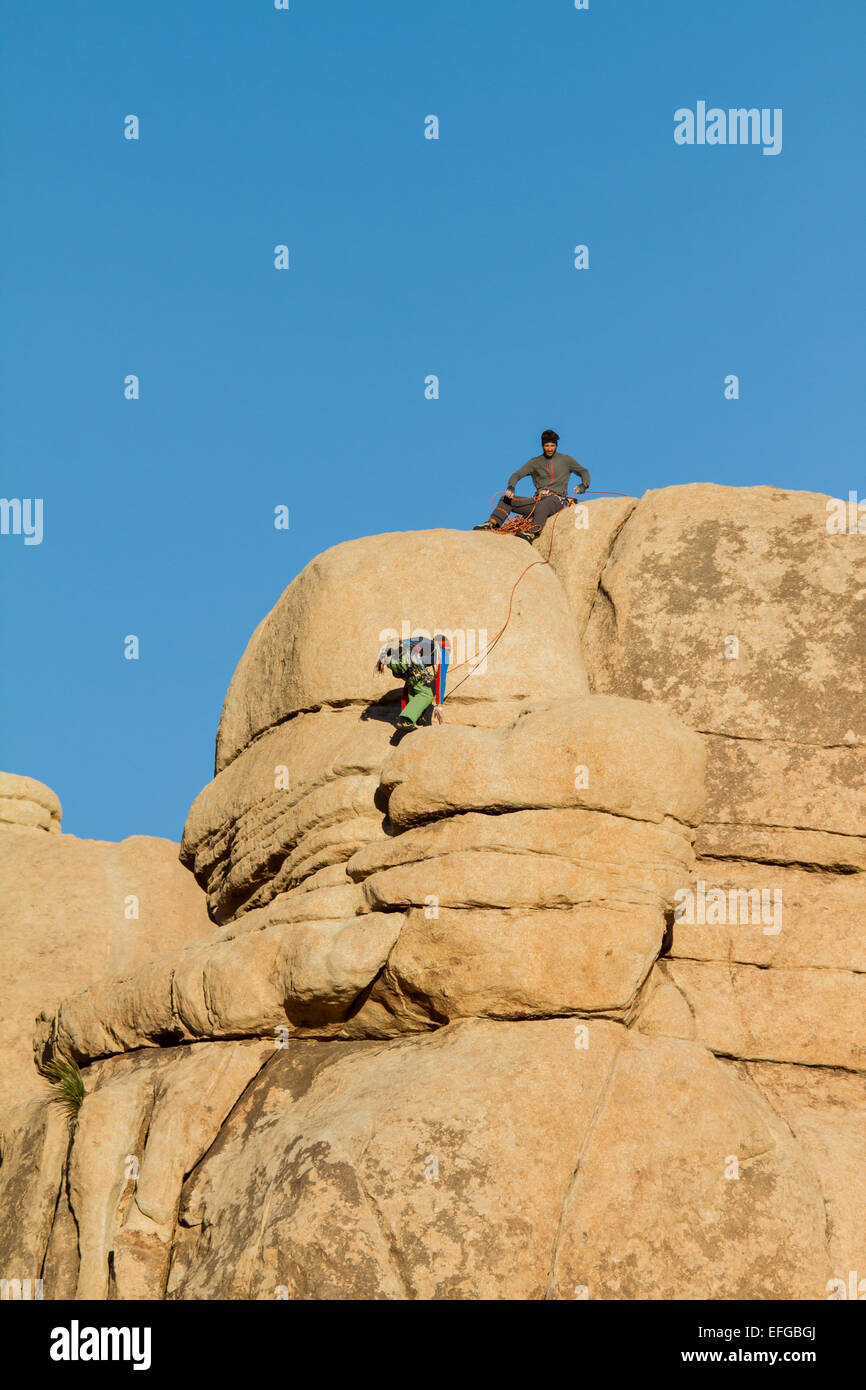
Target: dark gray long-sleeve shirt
(553, 473)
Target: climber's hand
(509, 493)
(437, 714)
(582, 487)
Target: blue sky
(408, 257)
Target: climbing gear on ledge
(524, 523)
(519, 526)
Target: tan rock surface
(60, 1270)
(654, 1209)
(813, 1016)
(28, 803)
(736, 609)
(64, 923)
(782, 785)
(820, 917)
(34, 1140)
(579, 546)
(522, 914)
(477, 1046)
(764, 844)
(279, 975)
(582, 835)
(371, 1170)
(697, 564)
(826, 1113)
(530, 964)
(392, 1158)
(191, 1102)
(298, 799)
(145, 1122)
(110, 1131)
(318, 645)
(635, 760)
(617, 872)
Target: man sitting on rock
(550, 472)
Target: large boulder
(299, 801)
(536, 863)
(741, 611)
(105, 1226)
(531, 1160)
(307, 721)
(451, 1033)
(318, 645)
(496, 1160)
(72, 910)
(574, 862)
(269, 975)
(26, 802)
(696, 566)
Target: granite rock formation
(560, 999)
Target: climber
(422, 662)
(550, 472)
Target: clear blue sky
(408, 256)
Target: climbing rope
(590, 492)
(546, 561)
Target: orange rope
(531, 565)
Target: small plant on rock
(68, 1082)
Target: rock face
(72, 910)
(560, 999)
(307, 654)
(26, 802)
(698, 565)
(573, 890)
(739, 611)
